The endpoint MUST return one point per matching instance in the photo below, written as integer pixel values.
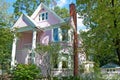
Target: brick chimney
(75, 41)
(73, 14)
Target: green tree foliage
(62, 12)
(52, 51)
(102, 18)
(5, 17)
(27, 6)
(26, 72)
(6, 36)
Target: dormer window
(43, 16)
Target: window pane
(55, 34)
(43, 16)
(40, 17)
(46, 15)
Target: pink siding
(22, 22)
(46, 35)
(39, 35)
(21, 56)
(36, 18)
(25, 38)
(50, 21)
(25, 42)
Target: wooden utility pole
(75, 41)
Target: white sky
(80, 24)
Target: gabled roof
(24, 20)
(44, 6)
(111, 65)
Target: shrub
(25, 72)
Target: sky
(60, 3)
(65, 3)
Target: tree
(62, 12)
(102, 18)
(6, 36)
(27, 6)
(49, 54)
(5, 17)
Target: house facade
(43, 27)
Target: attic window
(46, 15)
(43, 16)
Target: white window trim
(53, 35)
(40, 16)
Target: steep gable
(50, 20)
(43, 11)
(24, 21)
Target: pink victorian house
(42, 27)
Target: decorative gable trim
(17, 22)
(31, 21)
(36, 13)
(27, 19)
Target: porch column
(60, 62)
(33, 45)
(60, 34)
(69, 61)
(13, 51)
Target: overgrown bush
(25, 72)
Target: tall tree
(102, 18)
(6, 36)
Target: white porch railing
(62, 72)
(21, 55)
